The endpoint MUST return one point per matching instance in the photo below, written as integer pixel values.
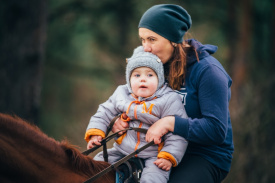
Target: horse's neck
(27, 152)
(28, 155)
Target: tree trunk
(22, 39)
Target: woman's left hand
(160, 128)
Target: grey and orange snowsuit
(142, 112)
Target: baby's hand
(164, 164)
(95, 140)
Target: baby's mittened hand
(164, 164)
(95, 140)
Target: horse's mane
(82, 164)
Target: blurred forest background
(60, 59)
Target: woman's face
(156, 44)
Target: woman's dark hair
(175, 68)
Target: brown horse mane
(81, 164)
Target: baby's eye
(150, 75)
(137, 75)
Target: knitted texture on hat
(168, 20)
(140, 58)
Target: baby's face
(144, 82)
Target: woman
(205, 89)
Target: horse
(29, 155)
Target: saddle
(130, 171)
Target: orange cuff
(168, 156)
(93, 131)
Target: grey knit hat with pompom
(140, 58)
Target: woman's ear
(174, 44)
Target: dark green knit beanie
(168, 20)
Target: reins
(119, 162)
(105, 154)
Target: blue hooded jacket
(206, 94)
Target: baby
(145, 99)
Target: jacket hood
(202, 50)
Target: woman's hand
(120, 125)
(95, 140)
(160, 128)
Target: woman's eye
(151, 39)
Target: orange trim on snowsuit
(149, 110)
(160, 146)
(135, 114)
(124, 117)
(136, 102)
(168, 156)
(93, 131)
(138, 136)
(119, 140)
